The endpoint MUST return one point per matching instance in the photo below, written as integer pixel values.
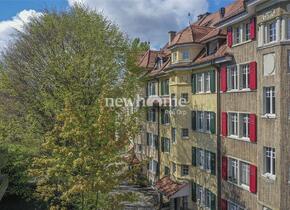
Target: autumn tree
(55, 82)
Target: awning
(172, 189)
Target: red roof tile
(169, 187)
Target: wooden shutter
(193, 120)
(224, 168)
(224, 204)
(223, 78)
(212, 122)
(193, 191)
(193, 83)
(162, 116)
(162, 144)
(253, 179)
(193, 156)
(230, 36)
(154, 115)
(253, 75)
(156, 141)
(147, 138)
(253, 127)
(253, 28)
(213, 201)
(212, 81)
(224, 128)
(212, 163)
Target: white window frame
(269, 92)
(244, 174)
(200, 192)
(174, 57)
(244, 71)
(239, 119)
(151, 88)
(152, 112)
(185, 55)
(182, 133)
(207, 82)
(234, 206)
(237, 35)
(166, 144)
(272, 31)
(200, 120)
(184, 168)
(270, 153)
(200, 158)
(233, 170)
(153, 166)
(200, 83)
(288, 28)
(247, 31)
(239, 172)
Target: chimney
(222, 12)
(171, 35)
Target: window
(166, 171)
(184, 170)
(200, 121)
(165, 87)
(244, 176)
(153, 166)
(234, 206)
(152, 140)
(269, 161)
(233, 77)
(173, 135)
(207, 160)
(174, 57)
(184, 97)
(207, 82)
(269, 101)
(200, 158)
(212, 47)
(205, 198)
(173, 100)
(233, 124)
(237, 35)
(199, 83)
(165, 118)
(200, 195)
(288, 28)
(244, 70)
(165, 144)
(271, 32)
(184, 203)
(151, 115)
(288, 60)
(207, 116)
(184, 133)
(151, 89)
(233, 171)
(173, 167)
(247, 31)
(185, 55)
(244, 125)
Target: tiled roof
(148, 59)
(231, 10)
(221, 52)
(214, 33)
(169, 187)
(192, 34)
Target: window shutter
(224, 124)
(156, 141)
(223, 75)
(193, 156)
(193, 191)
(253, 179)
(230, 36)
(212, 163)
(212, 122)
(224, 204)
(162, 116)
(253, 28)
(147, 89)
(213, 201)
(193, 120)
(168, 141)
(253, 76)
(193, 83)
(212, 81)
(224, 168)
(162, 144)
(157, 168)
(253, 127)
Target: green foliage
(61, 135)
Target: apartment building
(225, 144)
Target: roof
(231, 10)
(214, 33)
(221, 52)
(148, 59)
(191, 34)
(169, 187)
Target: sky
(150, 20)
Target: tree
(57, 77)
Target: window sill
(269, 177)
(166, 124)
(185, 137)
(240, 138)
(239, 90)
(269, 116)
(242, 43)
(241, 186)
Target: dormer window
(159, 62)
(185, 55)
(212, 47)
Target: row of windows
(203, 82)
(241, 33)
(204, 159)
(239, 125)
(164, 88)
(238, 77)
(203, 121)
(238, 173)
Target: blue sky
(148, 19)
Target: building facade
(217, 128)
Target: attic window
(212, 47)
(159, 62)
(185, 55)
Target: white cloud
(8, 27)
(148, 19)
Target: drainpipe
(219, 143)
